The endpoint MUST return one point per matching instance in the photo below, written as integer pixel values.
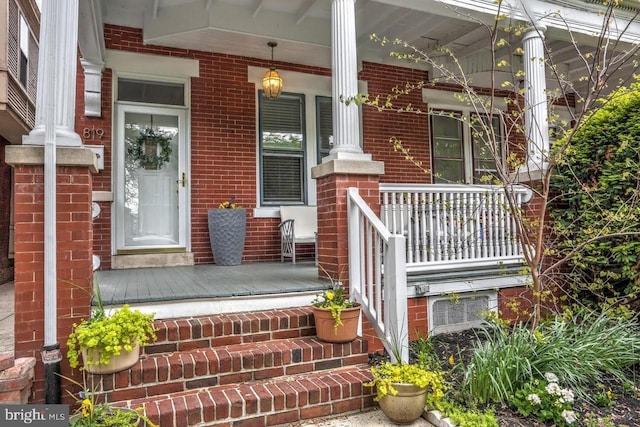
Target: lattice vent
(459, 312)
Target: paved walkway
(372, 418)
(6, 318)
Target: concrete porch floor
(208, 288)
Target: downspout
(51, 355)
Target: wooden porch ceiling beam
(258, 8)
(453, 36)
(481, 43)
(382, 24)
(304, 10)
(154, 9)
(413, 33)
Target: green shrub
(598, 183)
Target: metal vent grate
(451, 314)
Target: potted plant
(336, 317)
(110, 342)
(227, 230)
(402, 389)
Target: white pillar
(344, 61)
(58, 61)
(535, 98)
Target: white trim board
(142, 63)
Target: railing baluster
(452, 223)
(422, 217)
(432, 229)
(465, 234)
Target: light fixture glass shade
(272, 84)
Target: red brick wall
(97, 131)
(411, 129)
(223, 144)
(223, 138)
(6, 264)
(74, 241)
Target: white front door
(151, 179)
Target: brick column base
(74, 239)
(16, 379)
(333, 180)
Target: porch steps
(247, 369)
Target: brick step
(181, 371)
(273, 402)
(228, 329)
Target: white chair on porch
(299, 224)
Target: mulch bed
(624, 412)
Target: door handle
(182, 181)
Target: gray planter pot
(227, 230)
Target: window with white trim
(461, 146)
(282, 150)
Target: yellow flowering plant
(91, 412)
(387, 373)
(333, 299)
(109, 334)
(229, 204)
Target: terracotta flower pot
(344, 333)
(124, 360)
(405, 407)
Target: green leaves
(599, 209)
(110, 334)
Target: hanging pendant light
(272, 82)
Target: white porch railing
(381, 289)
(450, 224)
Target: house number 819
(92, 133)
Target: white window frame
(310, 86)
(448, 102)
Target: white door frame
(118, 147)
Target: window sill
(266, 212)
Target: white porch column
(344, 61)
(535, 98)
(57, 63)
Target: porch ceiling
(302, 28)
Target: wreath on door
(144, 150)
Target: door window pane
(150, 185)
(282, 149)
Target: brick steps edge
(265, 403)
(229, 329)
(176, 372)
